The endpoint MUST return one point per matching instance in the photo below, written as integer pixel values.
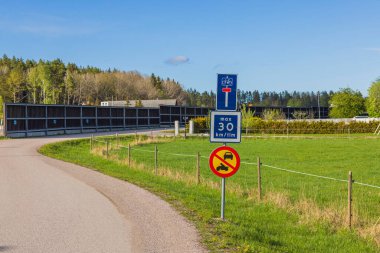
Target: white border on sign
(227, 113)
(216, 107)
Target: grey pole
(223, 201)
(223, 198)
(185, 126)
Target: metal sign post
(223, 198)
(225, 128)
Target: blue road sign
(225, 127)
(226, 93)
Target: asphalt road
(52, 206)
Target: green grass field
(295, 207)
(326, 157)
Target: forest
(54, 82)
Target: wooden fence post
(117, 140)
(259, 178)
(91, 140)
(107, 148)
(349, 199)
(129, 155)
(155, 159)
(198, 169)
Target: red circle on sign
(229, 153)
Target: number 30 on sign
(225, 127)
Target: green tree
(127, 102)
(294, 102)
(4, 73)
(69, 86)
(34, 83)
(300, 115)
(373, 101)
(138, 103)
(57, 76)
(256, 97)
(46, 83)
(15, 83)
(346, 103)
(246, 116)
(1, 109)
(273, 114)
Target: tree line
(54, 82)
(265, 98)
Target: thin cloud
(217, 66)
(177, 60)
(54, 30)
(373, 49)
(49, 26)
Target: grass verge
(250, 226)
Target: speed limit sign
(225, 127)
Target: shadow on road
(6, 248)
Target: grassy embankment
(297, 214)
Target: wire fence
(93, 139)
(304, 131)
(344, 192)
(344, 133)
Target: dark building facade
(23, 120)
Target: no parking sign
(224, 161)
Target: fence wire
(250, 163)
(100, 141)
(368, 185)
(300, 131)
(302, 173)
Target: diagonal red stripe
(223, 161)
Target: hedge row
(257, 125)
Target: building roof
(153, 103)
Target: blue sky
(271, 44)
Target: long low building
(24, 120)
